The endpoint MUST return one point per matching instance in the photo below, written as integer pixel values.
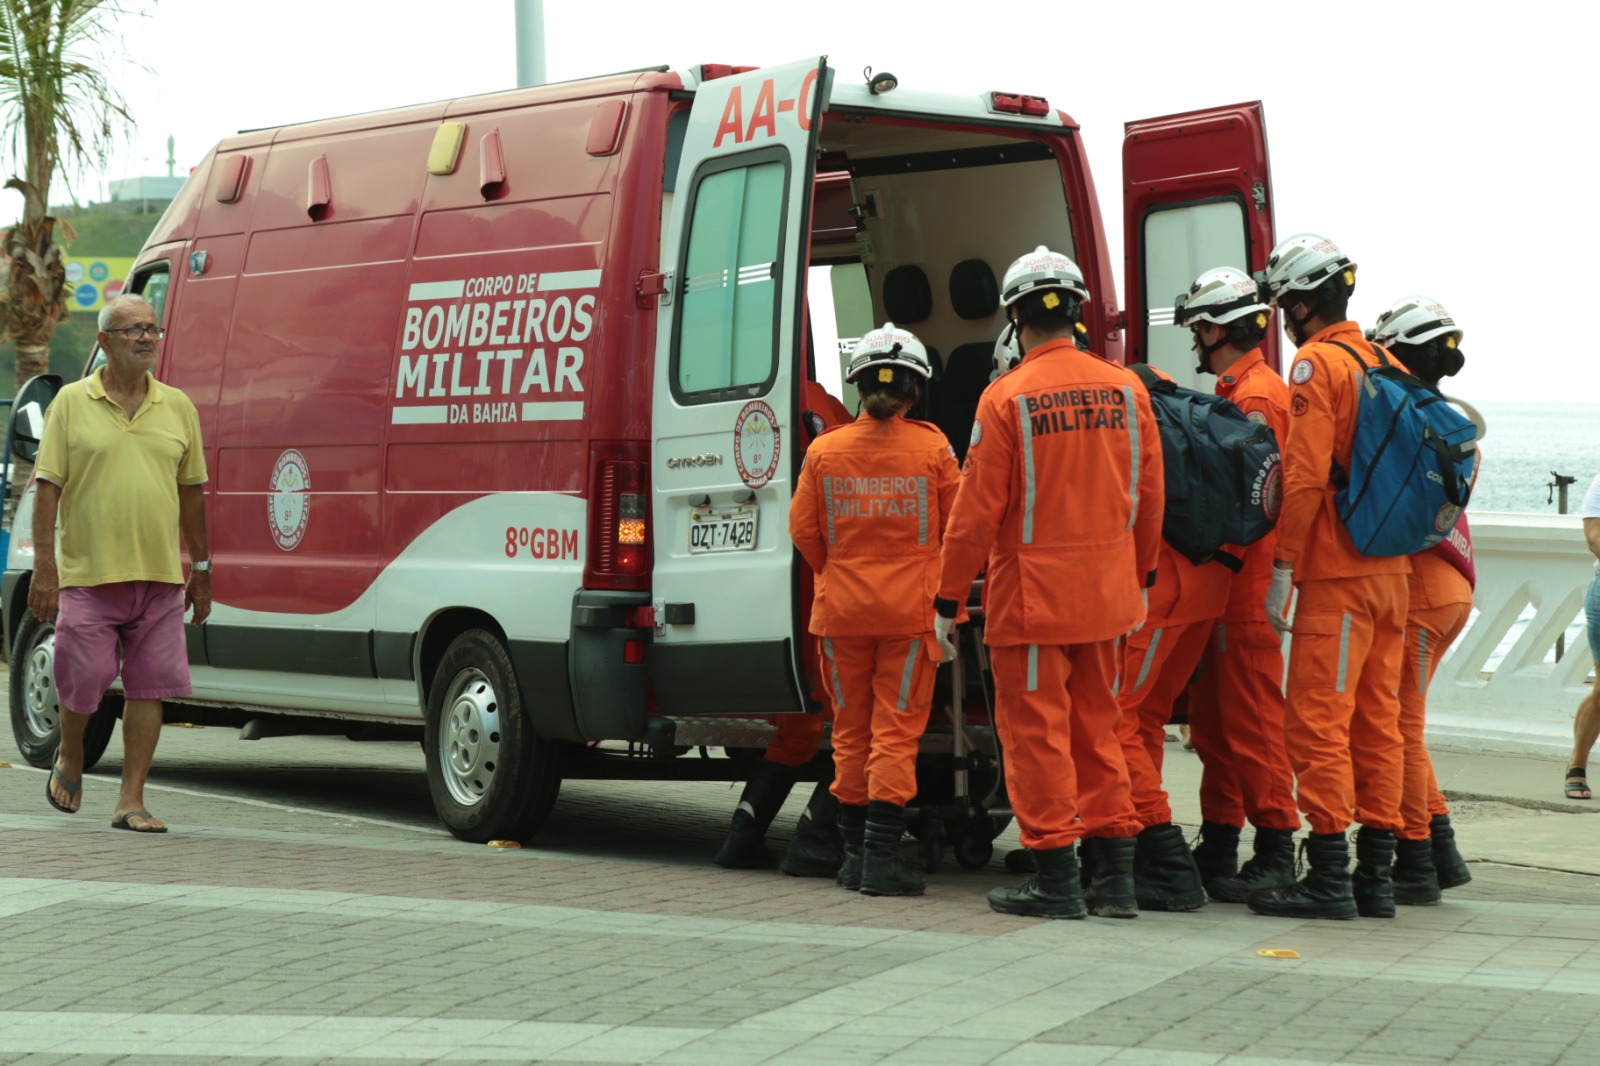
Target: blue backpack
(1411, 462)
(1223, 472)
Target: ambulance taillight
(619, 518)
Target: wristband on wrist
(201, 566)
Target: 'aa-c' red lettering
(765, 114)
(732, 118)
(802, 103)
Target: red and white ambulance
(500, 396)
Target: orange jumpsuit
(1236, 701)
(1342, 720)
(1158, 662)
(1440, 601)
(800, 735)
(868, 514)
(1062, 496)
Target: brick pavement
(328, 919)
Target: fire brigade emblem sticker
(756, 444)
(289, 504)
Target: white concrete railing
(1534, 565)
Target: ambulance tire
(34, 712)
(490, 775)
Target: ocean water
(1525, 442)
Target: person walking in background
(1421, 334)
(868, 515)
(1586, 726)
(120, 463)
(1342, 721)
(814, 850)
(1236, 699)
(1062, 497)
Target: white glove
(943, 628)
(1279, 596)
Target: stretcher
(961, 802)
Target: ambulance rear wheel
(490, 775)
(35, 714)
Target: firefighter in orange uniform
(1342, 720)
(1061, 497)
(1423, 336)
(1236, 700)
(814, 850)
(868, 515)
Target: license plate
(730, 531)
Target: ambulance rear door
(730, 352)
(1197, 194)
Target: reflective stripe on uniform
(1133, 447)
(1116, 678)
(1344, 653)
(1028, 488)
(1149, 660)
(1033, 667)
(1222, 638)
(1422, 660)
(922, 511)
(833, 671)
(827, 503)
(907, 674)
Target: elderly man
(120, 463)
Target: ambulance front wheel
(490, 775)
(35, 715)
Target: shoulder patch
(1302, 371)
(1256, 416)
(977, 434)
(1299, 406)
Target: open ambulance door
(730, 354)
(1197, 194)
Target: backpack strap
(1153, 382)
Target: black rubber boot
(1165, 877)
(1056, 891)
(1111, 892)
(1447, 860)
(1325, 890)
(816, 850)
(852, 827)
(882, 871)
(1416, 882)
(1373, 883)
(1272, 866)
(1217, 852)
(759, 804)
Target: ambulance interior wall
(938, 219)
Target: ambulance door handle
(674, 614)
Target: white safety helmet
(1220, 296)
(1301, 263)
(889, 349)
(1042, 269)
(1007, 352)
(1415, 320)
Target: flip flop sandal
(1576, 786)
(121, 822)
(72, 788)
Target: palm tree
(61, 111)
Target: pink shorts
(132, 628)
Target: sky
(1432, 144)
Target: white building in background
(133, 190)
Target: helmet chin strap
(1205, 351)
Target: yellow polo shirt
(119, 479)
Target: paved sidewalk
(314, 916)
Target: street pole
(530, 43)
(1558, 484)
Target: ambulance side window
(1181, 241)
(728, 316)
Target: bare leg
(69, 757)
(141, 728)
(1585, 728)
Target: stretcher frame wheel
(931, 845)
(975, 847)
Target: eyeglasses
(140, 332)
